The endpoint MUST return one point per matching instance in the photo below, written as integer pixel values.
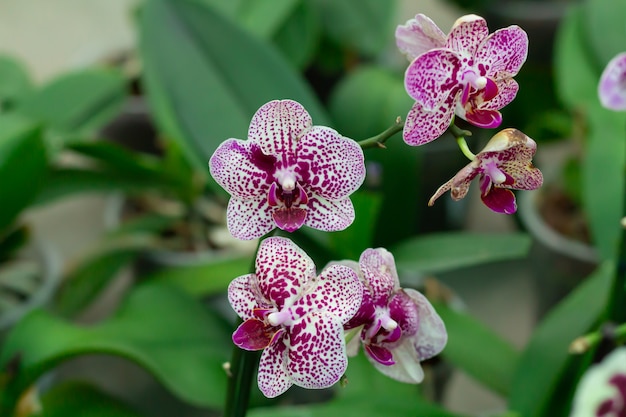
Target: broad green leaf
(12, 241)
(15, 82)
(547, 374)
(605, 28)
(206, 77)
(441, 252)
(264, 18)
(366, 25)
(603, 177)
(81, 101)
(576, 75)
(477, 350)
(159, 327)
(81, 399)
(299, 36)
(349, 243)
(23, 166)
(205, 277)
(88, 277)
(364, 104)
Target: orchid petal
(249, 219)
(272, 377)
(467, 33)
(332, 165)
(317, 351)
(525, 175)
(612, 86)
(423, 126)
(433, 77)
(419, 35)
(503, 53)
(282, 270)
(507, 91)
(337, 290)
(380, 354)
(241, 168)
(379, 269)
(277, 126)
(289, 219)
(407, 366)
(431, 336)
(328, 215)
(500, 200)
(487, 119)
(252, 334)
(244, 296)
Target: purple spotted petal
(244, 296)
(252, 334)
(379, 270)
(419, 35)
(276, 127)
(317, 351)
(407, 366)
(337, 290)
(433, 77)
(272, 377)
(289, 219)
(504, 52)
(249, 219)
(329, 216)
(237, 165)
(507, 90)
(431, 336)
(500, 200)
(423, 126)
(282, 270)
(467, 34)
(487, 119)
(332, 165)
(525, 175)
(612, 86)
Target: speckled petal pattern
(431, 336)
(232, 167)
(612, 86)
(433, 77)
(277, 125)
(329, 215)
(507, 90)
(242, 296)
(419, 35)
(379, 269)
(504, 52)
(282, 270)
(249, 219)
(525, 175)
(467, 34)
(333, 166)
(317, 351)
(422, 126)
(337, 290)
(272, 377)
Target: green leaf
(12, 241)
(605, 28)
(546, 375)
(23, 166)
(441, 252)
(576, 74)
(477, 350)
(159, 327)
(82, 101)
(85, 281)
(80, 399)
(604, 164)
(300, 35)
(205, 277)
(349, 243)
(206, 77)
(366, 25)
(15, 82)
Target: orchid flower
(399, 327)
(295, 316)
(288, 174)
(602, 389)
(612, 86)
(469, 73)
(503, 164)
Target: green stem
(242, 369)
(379, 140)
(588, 341)
(460, 134)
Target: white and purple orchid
(288, 174)
(505, 163)
(612, 86)
(602, 389)
(295, 316)
(469, 73)
(399, 327)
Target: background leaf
(605, 28)
(80, 399)
(15, 82)
(441, 252)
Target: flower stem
(379, 140)
(460, 134)
(586, 342)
